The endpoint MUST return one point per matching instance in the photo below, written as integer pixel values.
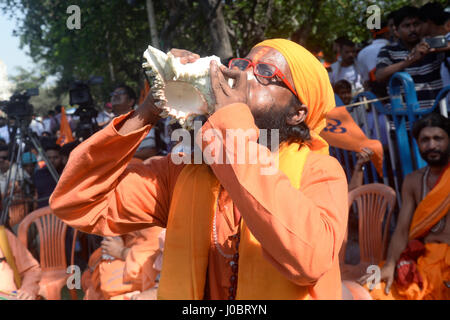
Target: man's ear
(298, 116)
(396, 32)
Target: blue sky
(10, 53)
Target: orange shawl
(185, 259)
(433, 208)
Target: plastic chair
(375, 203)
(52, 233)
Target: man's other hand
(419, 51)
(113, 246)
(363, 157)
(184, 55)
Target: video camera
(80, 94)
(18, 107)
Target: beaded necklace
(234, 257)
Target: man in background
(123, 100)
(413, 56)
(346, 68)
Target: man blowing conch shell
(234, 231)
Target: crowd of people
(232, 232)
(400, 45)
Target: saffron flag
(342, 132)
(65, 132)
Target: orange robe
(300, 231)
(28, 268)
(136, 273)
(433, 266)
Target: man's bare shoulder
(415, 177)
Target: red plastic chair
(375, 203)
(52, 233)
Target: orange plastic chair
(375, 203)
(52, 233)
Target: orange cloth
(10, 260)
(184, 274)
(116, 278)
(342, 132)
(432, 208)
(312, 84)
(65, 132)
(434, 268)
(27, 267)
(304, 247)
(434, 265)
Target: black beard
(442, 161)
(271, 119)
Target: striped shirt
(425, 72)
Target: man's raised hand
(184, 55)
(223, 93)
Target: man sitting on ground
(417, 264)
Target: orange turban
(312, 84)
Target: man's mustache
(427, 152)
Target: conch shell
(181, 90)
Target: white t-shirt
(47, 122)
(4, 133)
(37, 127)
(349, 73)
(367, 57)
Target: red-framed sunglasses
(261, 69)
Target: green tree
(27, 79)
(114, 34)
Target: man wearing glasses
(232, 232)
(123, 100)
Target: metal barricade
(391, 124)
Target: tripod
(21, 137)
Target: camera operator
(123, 100)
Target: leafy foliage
(115, 33)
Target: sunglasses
(4, 158)
(261, 69)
